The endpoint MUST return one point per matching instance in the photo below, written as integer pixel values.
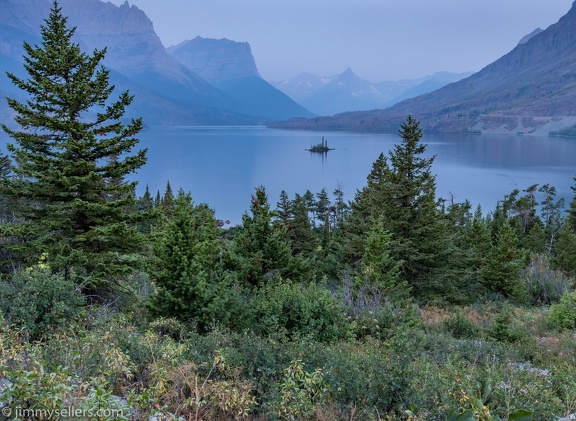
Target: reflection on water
(222, 165)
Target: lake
(222, 166)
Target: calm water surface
(222, 166)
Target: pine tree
(323, 207)
(565, 249)
(167, 202)
(300, 235)
(340, 206)
(283, 213)
(71, 156)
(191, 283)
(261, 250)
(572, 210)
(380, 273)
(551, 212)
(365, 209)
(501, 272)
(410, 214)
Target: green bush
(563, 315)
(460, 327)
(294, 310)
(38, 302)
(505, 329)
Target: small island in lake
(321, 147)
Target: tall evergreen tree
(565, 246)
(261, 250)
(365, 209)
(379, 272)
(340, 206)
(323, 207)
(167, 202)
(302, 239)
(283, 210)
(410, 214)
(71, 146)
(551, 211)
(501, 272)
(189, 276)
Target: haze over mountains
(230, 66)
(530, 90)
(166, 91)
(327, 95)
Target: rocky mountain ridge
(166, 91)
(530, 90)
(230, 66)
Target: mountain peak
(527, 38)
(530, 90)
(216, 60)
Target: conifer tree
(565, 246)
(501, 272)
(167, 203)
(565, 249)
(551, 212)
(300, 235)
(283, 210)
(380, 273)
(71, 156)
(410, 214)
(261, 250)
(365, 209)
(478, 241)
(340, 206)
(189, 276)
(323, 206)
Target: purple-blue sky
(379, 39)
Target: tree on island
(71, 156)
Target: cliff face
(166, 91)
(530, 90)
(134, 49)
(216, 60)
(230, 66)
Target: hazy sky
(379, 39)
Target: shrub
(563, 315)
(460, 327)
(545, 285)
(295, 310)
(505, 329)
(39, 302)
(302, 392)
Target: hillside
(166, 92)
(530, 90)
(229, 66)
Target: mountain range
(530, 90)
(167, 91)
(327, 95)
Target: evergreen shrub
(294, 310)
(39, 302)
(563, 315)
(460, 327)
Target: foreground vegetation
(394, 305)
